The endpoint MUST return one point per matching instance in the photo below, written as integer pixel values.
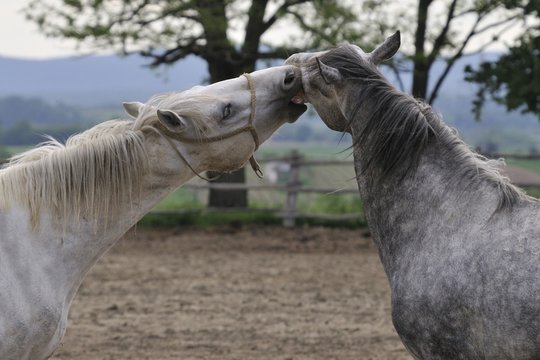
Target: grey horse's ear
(171, 120)
(132, 108)
(329, 74)
(387, 49)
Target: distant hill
(95, 80)
(35, 110)
(91, 88)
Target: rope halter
(248, 127)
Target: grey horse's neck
(419, 186)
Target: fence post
(290, 211)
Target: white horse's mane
(93, 172)
(89, 176)
(189, 107)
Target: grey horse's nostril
(289, 78)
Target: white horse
(63, 206)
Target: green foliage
(530, 7)
(74, 3)
(513, 80)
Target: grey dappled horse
(460, 245)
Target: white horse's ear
(387, 49)
(171, 120)
(329, 74)
(132, 108)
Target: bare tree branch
(460, 52)
(442, 37)
(498, 23)
(174, 54)
(282, 10)
(450, 63)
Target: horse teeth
(298, 98)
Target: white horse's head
(173, 137)
(219, 126)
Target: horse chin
(294, 111)
(296, 105)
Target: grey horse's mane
(399, 129)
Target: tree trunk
(225, 62)
(221, 70)
(421, 62)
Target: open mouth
(297, 106)
(299, 98)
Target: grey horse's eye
(227, 111)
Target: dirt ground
(230, 293)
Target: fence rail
(293, 187)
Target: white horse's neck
(81, 243)
(43, 267)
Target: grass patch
(207, 218)
(529, 164)
(534, 192)
(201, 218)
(181, 199)
(310, 150)
(333, 204)
(355, 223)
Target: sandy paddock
(235, 293)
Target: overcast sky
(21, 38)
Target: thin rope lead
(252, 161)
(179, 153)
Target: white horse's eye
(227, 111)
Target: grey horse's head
(321, 82)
